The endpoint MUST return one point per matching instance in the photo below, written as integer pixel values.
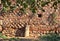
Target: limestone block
(45, 32)
(27, 31)
(1, 22)
(35, 32)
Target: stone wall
(40, 31)
(40, 22)
(46, 24)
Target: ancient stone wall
(46, 24)
(40, 23)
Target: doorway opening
(20, 32)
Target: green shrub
(14, 39)
(2, 36)
(50, 37)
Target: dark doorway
(39, 15)
(20, 32)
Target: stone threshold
(20, 38)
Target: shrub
(2, 36)
(50, 37)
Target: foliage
(2, 36)
(50, 37)
(34, 4)
(14, 39)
